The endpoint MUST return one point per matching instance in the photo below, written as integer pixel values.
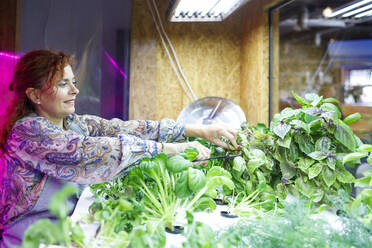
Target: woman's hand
(213, 133)
(176, 148)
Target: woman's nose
(74, 89)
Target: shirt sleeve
(165, 130)
(72, 157)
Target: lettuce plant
(171, 186)
(63, 232)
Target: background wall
(209, 54)
(298, 62)
(227, 59)
(8, 43)
(85, 29)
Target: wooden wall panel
(143, 66)
(254, 89)
(227, 59)
(254, 86)
(8, 25)
(209, 54)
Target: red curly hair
(37, 69)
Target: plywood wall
(227, 59)
(209, 54)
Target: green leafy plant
(198, 234)
(294, 226)
(165, 187)
(63, 232)
(310, 147)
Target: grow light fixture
(202, 10)
(355, 9)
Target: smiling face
(58, 101)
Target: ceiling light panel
(202, 10)
(358, 10)
(352, 7)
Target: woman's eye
(62, 83)
(74, 83)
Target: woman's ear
(33, 94)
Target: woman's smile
(70, 102)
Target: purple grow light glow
(7, 63)
(115, 64)
(9, 55)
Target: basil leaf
(331, 162)
(300, 124)
(306, 189)
(332, 107)
(323, 145)
(331, 100)
(330, 115)
(305, 144)
(310, 118)
(345, 138)
(365, 148)
(363, 182)
(318, 195)
(282, 129)
(281, 191)
(314, 98)
(286, 113)
(315, 124)
(315, 170)
(300, 100)
(344, 176)
(287, 171)
(305, 163)
(317, 155)
(355, 156)
(286, 142)
(293, 153)
(328, 176)
(352, 118)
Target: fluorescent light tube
(223, 6)
(202, 10)
(367, 13)
(356, 11)
(350, 7)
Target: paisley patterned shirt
(36, 149)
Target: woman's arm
(213, 133)
(165, 130)
(69, 156)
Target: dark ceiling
(302, 20)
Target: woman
(46, 146)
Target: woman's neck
(56, 121)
